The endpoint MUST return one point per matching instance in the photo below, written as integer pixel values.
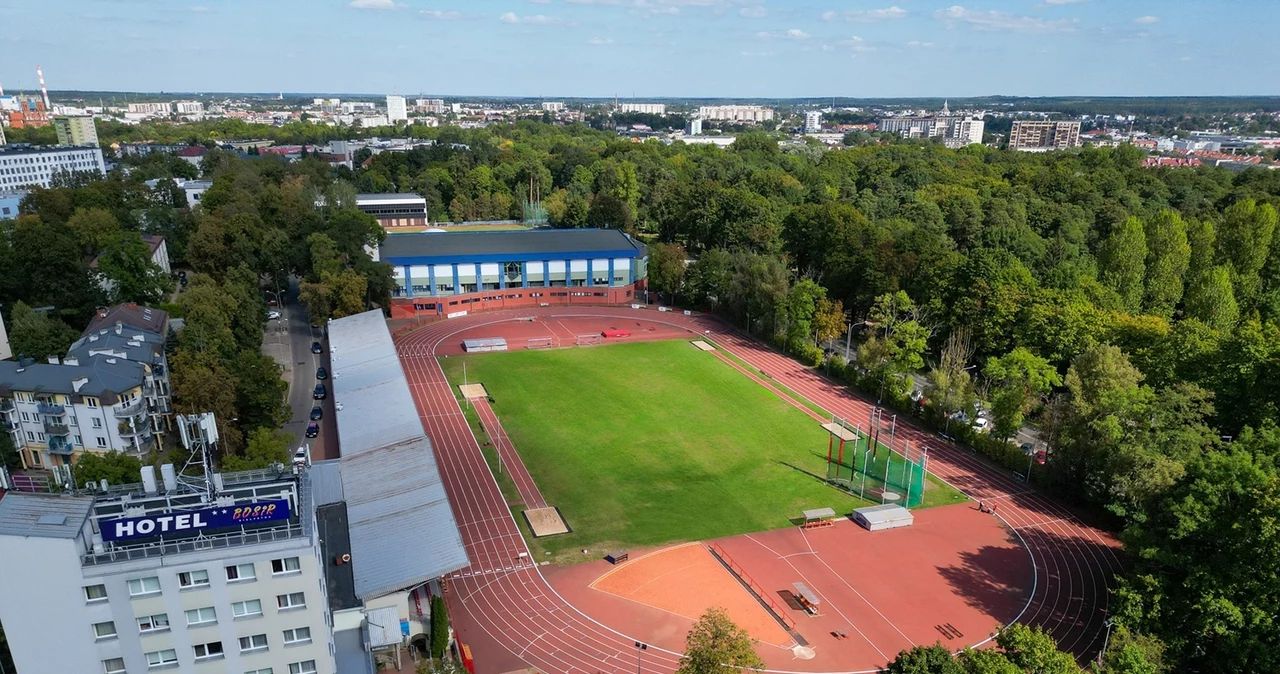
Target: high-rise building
(552, 106)
(1042, 135)
(35, 166)
(154, 108)
(432, 106)
(188, 107)
(396, 111)
(694, 127)
(812, 121)
(736, 113)
(76, 131)
(955, 130)
(647, 108)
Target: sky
(647, 48)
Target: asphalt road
(288, 340)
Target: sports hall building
(451, 273)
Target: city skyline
(645, 48)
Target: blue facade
(441, 276)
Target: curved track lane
(504, 593)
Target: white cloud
(376, 4)
(756, 12)
(857, 44)
(791, 34)
(599, 41)
(1146, 19)
(1002, 21)
(198, 9)
(443, 15)
(533, 19)
(916, 44)
(867, 15)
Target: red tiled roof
(193, 151)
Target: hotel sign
(180, 522)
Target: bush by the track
(439, 627)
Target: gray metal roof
(43, 515)
(401, 524)
(530, 241)
(325, 479)
(349, 652)
(368, 382)
(407, 197)
(131, 343)
(102, 375)
(383, 626)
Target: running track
(504, 593)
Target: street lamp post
(1109, 623)
(640, 648)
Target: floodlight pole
(640, 649)
(910, 473)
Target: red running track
(529, 492)
(505, 595)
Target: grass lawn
(653, 442)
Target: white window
(197, 578)
(213, 649)
(97, 423)
(201, 616)
(241, 572)
(95, 593)
(105, 630)
(291, 600)
(93, 402)
(286, 565)
(264, 670)
(244, 609)
(297, 635)
(102, 442)
(162, 658)
(256, 642)
(153, 623)
(113, 666)
(140, 586)
(304, 667)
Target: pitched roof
(139, 345)
(142, 318)
(103, 377)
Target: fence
(753, 586)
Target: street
(288, 340)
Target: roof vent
(52, 520)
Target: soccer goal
(587, 340)
(539, 343)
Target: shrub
(439, 628)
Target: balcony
(61, 447)
(9, 426)
(216, 542)
(56, 427)
(131, 430)
(6, 404)
(51, 409)
(131, 410)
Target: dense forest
(1132, 315)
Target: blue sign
(180, 522)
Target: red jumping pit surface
(562, 330)
(504, 605)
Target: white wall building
(234, 585)
(189, 107)
(812, 121)
(151, 108)
(693, 128)
(647, 108)
(552, 106)
(736, 113)
(27, 166)
(76, 131)
(396, 111)
(431, 106)
(5, 352)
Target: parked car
(313, 429)
(1041, 457)
(317, 413)
(322, 373)
(300, 456)
(320, 393)
(1027, 448)
(982, 424)
(273, 315)
(316, 348)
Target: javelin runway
(504, 594)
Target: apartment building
(812, 121)
(76, 131)
(1042, 136)
(647, 108)
(955, 130)
(396, 111)
(189, 107)
(736, 113)
(434, 106)
(23, 165)
(166, 575)
(151, 108)
(552, 106)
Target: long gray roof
(140, 345)
(516, 242)
(402, 528)
(102, 375)
(43, 515)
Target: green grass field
(648, 443)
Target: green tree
(667, 268)
(126, 262)
(828, 320)
(950, 384)
(708, 279)
(801, 306)
(94, 227)
(1033, 650)
(319, 300)
(715, 645)
(1129, 653)
(1021, 380)
(36, 335)
(1168, 257)
(1244, 241)
(935, 659)
(987, 662)
(9, 456)
(1122, 262)
(1212, 300)
(265, 447)
(114, 467)
(897, 343)
(260, 392)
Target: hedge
(439, 628)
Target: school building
(450, 273)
